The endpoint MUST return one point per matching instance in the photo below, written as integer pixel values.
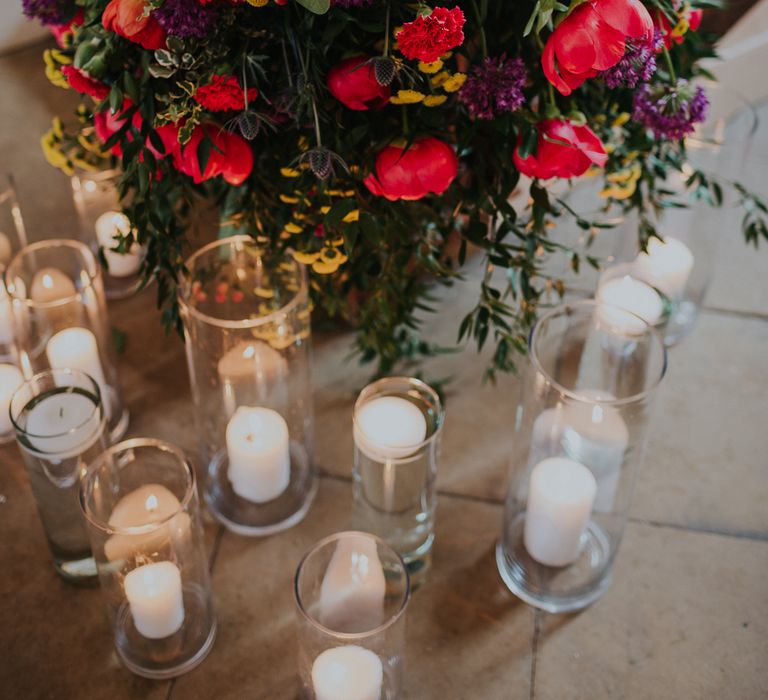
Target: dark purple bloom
(494, 86)
(352, 3)
(637, 65)
(671, 112)
(186, 18)
(49, 11)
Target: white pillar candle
(110, 227)
(251, 369)
(347, 673)
(353, 587)
(6, 249)
(76, 348)
(50, 284)
(63, 424)
(667, 266)
(155, 598)
(631, 295)
(389, 427)
(560, 497)
(151, 503)
(258, 449)
(10, 380)
(6, 317)
(597, 436)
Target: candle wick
(61, 411)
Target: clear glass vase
(99, 209)
(397, 425)
(580, 435)
(143, 516)
(246, 325)
(60, 427)
(352, 590)
(13, 238)
(60, 318)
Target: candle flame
(151, 503)
(47, 281)
(249, 352)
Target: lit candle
(353, 587)
(258, 449)
(110, 227)
(50, 284)
(10, 380)
(252, 369)
(155, 598)
(667, 265)
(76, 348)
(151, 503)
(6, 249)
(389, 427)
(347, 673)
(630, 295)
(560, 497)
(63, 424)
(597, 436)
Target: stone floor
(686, 616)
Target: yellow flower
(407, 97)
(286, 199)
(289, 172)
(293, 228)
(430, 67)
(354, 215)
(303, 143)
(60, 58)
(680, 28)
(258, 3)
(623, 183)
(57, 128)
(324, 210)
(299, 216)
(305, 258)
(454, 83)
(324, 268)
(434, 100)
(337, 241)
(633, 172)
(440, 78)
(332, 255)
(622, 119)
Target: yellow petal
(324, 210)
(324, 268)
(258, 3)
(406, 97)
(354, 215)
(288, 200)
(434, 100)
(430, 68)
(454, 83)
(289, 172)
(622, 119)
(305, 258)
(440, 78)
(293, 228)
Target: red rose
(428, 165)
(563, 150)
(223, 93)
(62, 32)
(593, 38)
(230, 156)
(83, 83)
(691, 19)
(353, 83)
(429, 37)
(129, 19)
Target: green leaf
(319, 7)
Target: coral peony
(593, 38)
(430, 36)
(428, 165)
(130, 19)
(564, 149)
(353, 83)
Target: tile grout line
(534, 652)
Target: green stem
(386, 34)
(670, 67)
(318, 137)
(479, 20)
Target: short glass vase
(352, 590)
(579, 440)
(60, 427)
(246, 326)
(142, 509)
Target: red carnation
(428, 165)
(353, 83)
(429, 36)
(131, 20)
(689, 21)
(564, 149)
(83, 83)
(224, 93)
(62, 32)
(593, 38)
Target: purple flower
(49, 11)
(352, 3)
(495, 86)
(637, 65)
(671, 112)
(186, 18)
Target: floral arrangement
(381, 141)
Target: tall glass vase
(246, 325)
(13, 238)
(579, 439)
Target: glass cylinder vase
(103, 225)
(60, 427)
(351, 592)
(142, 509)
(579, 439)
(13, 238)
(246, 325)
(60, 318)
(397, 425)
